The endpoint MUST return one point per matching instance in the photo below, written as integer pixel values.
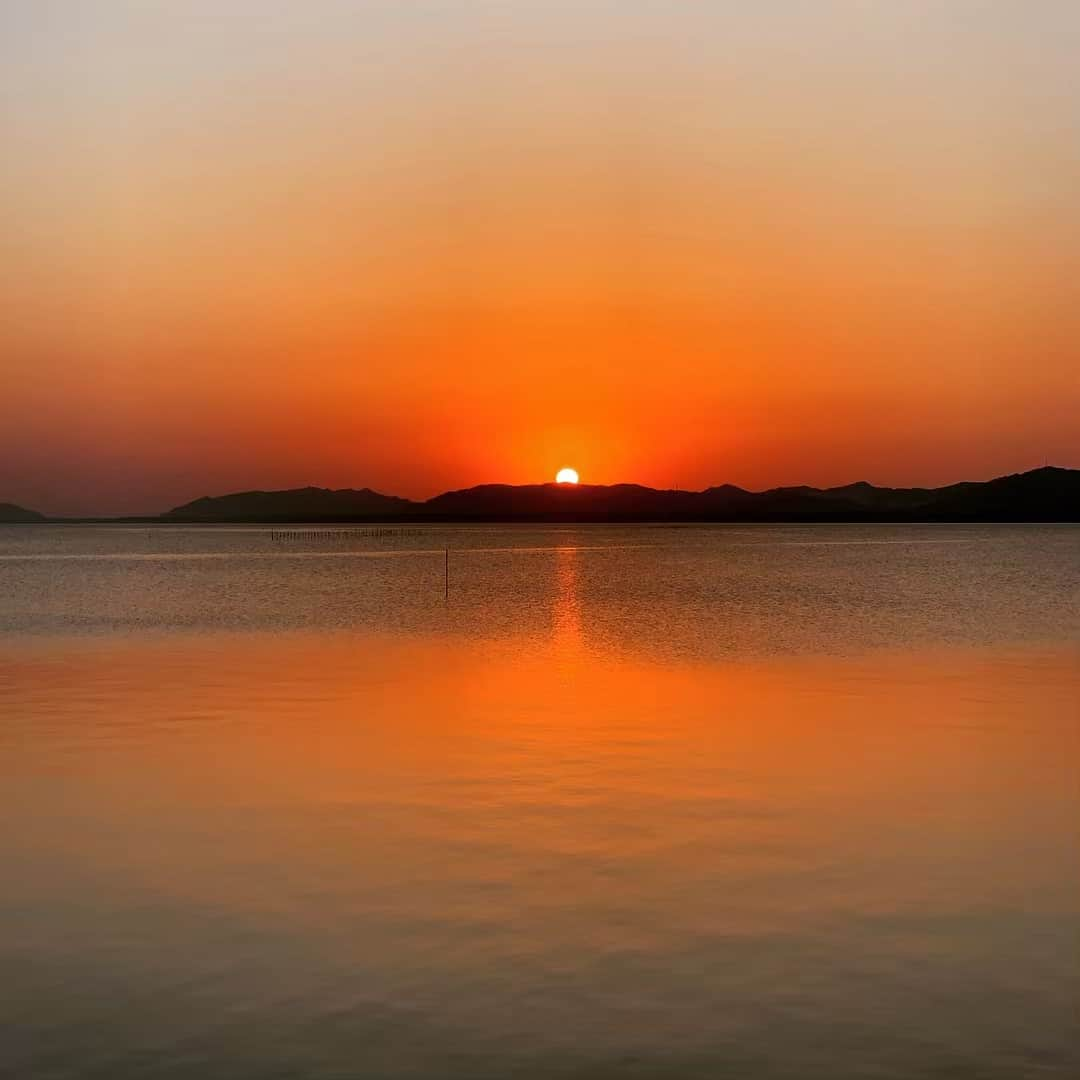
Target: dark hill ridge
(559, 502)
(1047, 494)
(296, 504)
(10, 514)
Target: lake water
(779, 802)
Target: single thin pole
(446, 574)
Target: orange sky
(423, 245)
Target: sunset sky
(422, 245)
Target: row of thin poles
(327, 536)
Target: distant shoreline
(1048, 495)
(162, 522)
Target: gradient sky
(416, 246)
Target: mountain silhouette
(296, 504)
(10, 514)
(1046, 494)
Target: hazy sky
(414, 246)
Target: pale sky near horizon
(416, 246)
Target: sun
(566, 476)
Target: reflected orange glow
(513, 757)
(566, 612)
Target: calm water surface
(779, 802)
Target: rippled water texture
(797, 802)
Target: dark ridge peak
(627, 488)
(310, 489)
(485, 490)
(10, 514)
(858, 485)
(307, 503)
(1042, 470)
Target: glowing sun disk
(566, 476)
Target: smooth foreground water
(797, 802)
